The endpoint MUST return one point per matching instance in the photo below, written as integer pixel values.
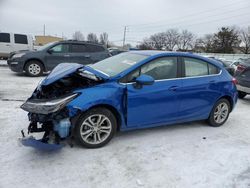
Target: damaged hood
(65, 69)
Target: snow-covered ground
(184, 155)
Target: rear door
(97, 52)
(157, 103)
(57, 54)
(5, 44)
(79, 53)
(200, 88)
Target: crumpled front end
(50, 119)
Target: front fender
(110, 94)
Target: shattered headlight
(42, 106)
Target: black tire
(34, 68)
(241, 94)
(91, 133)
(212, 120)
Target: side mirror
(50, 51)
(144, 80)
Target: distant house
(42, 40)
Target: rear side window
(78, 48)
(94, 48)
(20, 39)
(5, 37)
(195, 67)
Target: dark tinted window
(20, 39)
(60, 48)
(78, 48)
(4, 37)
(94, 48)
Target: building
(42, 40)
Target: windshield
(45, 46)
(116, 64)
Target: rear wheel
(219, 113)
(96, 127)
(241, 94)
(34, 68)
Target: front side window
(20, 39)
(159, 69)
(5, 37)
(162, 68)
(60, 48)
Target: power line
(189, 15)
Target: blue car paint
(157, 104)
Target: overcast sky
(143, 17)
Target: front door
(57, 54)
(158, 103)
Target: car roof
(79, 42)
(158, 53)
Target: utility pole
(124, 36)
(43, 29)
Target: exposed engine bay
(48, 112)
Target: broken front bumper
(38, 144)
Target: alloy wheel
(95, 129)
(221, 112)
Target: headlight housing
(41, 106)
(18, 55)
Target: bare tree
(104, 38)
(92, 38)
(204, 44)
(158, 41)
(172, 37)
(77, 35)
(146, 44)
(245, 40)
(186, 40)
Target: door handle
(7, 45)
(212, 81)
(173, 88)
(67, 55)
(87, 56)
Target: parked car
(35, 63)
(10, 42)
(132, 90)
(242, 74)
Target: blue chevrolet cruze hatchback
(132, 90)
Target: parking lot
(183, 155)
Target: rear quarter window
(20, 39)
(5, 37)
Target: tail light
(241, 68)
(234, 81)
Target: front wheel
(34, 68)
(95, 128)
(219, 113)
